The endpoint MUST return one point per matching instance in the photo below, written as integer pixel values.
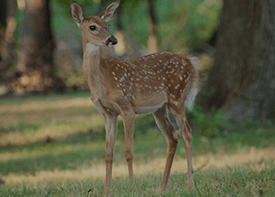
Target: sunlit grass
(57, 145)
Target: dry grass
(41, 106)
(156, 166)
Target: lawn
(54, 145)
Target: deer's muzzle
(112, 40)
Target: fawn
(149, 84)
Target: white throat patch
(91, 48)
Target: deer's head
(95, 29)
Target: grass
(55, 144)
(247, 180)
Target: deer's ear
(76, 13)
(108, 13)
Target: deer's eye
(93, 27)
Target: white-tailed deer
(149, 84)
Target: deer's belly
(148, 109)
(149, 103)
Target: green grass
(71, 139)
(241, 181)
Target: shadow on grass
(33, 120)
(146, 148)
(80, 137)
(69, 155)
(54, 159)
(86, 148)
(89, 147)
(143, 124)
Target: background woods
(242, 80)
(53, 144)
(36, 47)
(40, 46)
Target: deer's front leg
(110, 139)
(111, 132)
(129, 124)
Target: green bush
(210, 124)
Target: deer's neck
(91, 67)
(91, 59)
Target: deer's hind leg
(186, 133)
(172, 137)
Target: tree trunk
(35, 54)
(242, 80)
(120, 48)
(3, 24)
(10, 29)
(8, 19)
(153, 38)
(101, 6)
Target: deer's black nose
(112, 40)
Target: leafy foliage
(211, 124)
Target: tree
(120, 48)
(153, 38)
(8, 26)
(3, 23)
(242, 79)
(35, 53)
